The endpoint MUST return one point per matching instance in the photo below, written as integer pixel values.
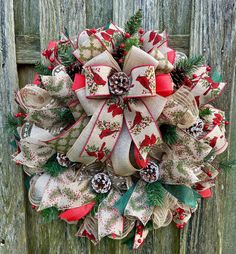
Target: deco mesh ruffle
(89, 137)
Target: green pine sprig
(11, 125)
(49, 214)
(227, 165)
(42, 69)
(52, 167)
(205, 112)
(190, 64)
(98, 200)
(134, 23)
(65, 115)
(169, 134)
(133, 41)
(65, 54)
(155, 194)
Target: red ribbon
(77, 213)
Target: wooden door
(205, 27)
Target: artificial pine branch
(42, 69)
(52, 167)
(205, 112)
(190, 64)
(11, 125)
(155, 194)
(49, 214)
(227, 165)
(66, 115)
(98, 200)
(134, 23)
(133, 41)
(65, 54)
(169, 134)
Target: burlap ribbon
(99, 137)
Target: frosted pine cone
(101, 183)
(63, 160)
(150, 173)
(119, 83)
(196, 129)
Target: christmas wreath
(117, 133)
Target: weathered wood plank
(12, 223)
(56, 237)
(26, 16)
(171, 15)
(27, 49)
(55, 15)
(212, 229)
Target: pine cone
(63, 160)
(178, 75)
(150, 173)
(73, 69)
(101, 183)
(196, 129)
(119, 83)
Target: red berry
(181, 226)
(194, 75)
(226, 123)
(179, 210)
(181, 217)
(208, 68)
(93, 30)
(51, 59)
(17, 163)
(127, 35)
(215, 122)
(125, 53)
(177, 225)
(120, 60)
(139, 227)
(206, 126)
(139, 240)
(141, 40)
(209, 173)
(44, 53)
(33, 206)
(122, 45)
(141, 31)
(50, 67)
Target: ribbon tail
(77, 213)
(183, 193)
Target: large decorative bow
(109, 112)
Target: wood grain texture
(57, 14)
(12, 202)
(215, 37)
(195, 26)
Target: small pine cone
(119, 83)
(73, 69)
(178, 76)
(63, 160)
(150, 173)
(101, 183)
(196, 129)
